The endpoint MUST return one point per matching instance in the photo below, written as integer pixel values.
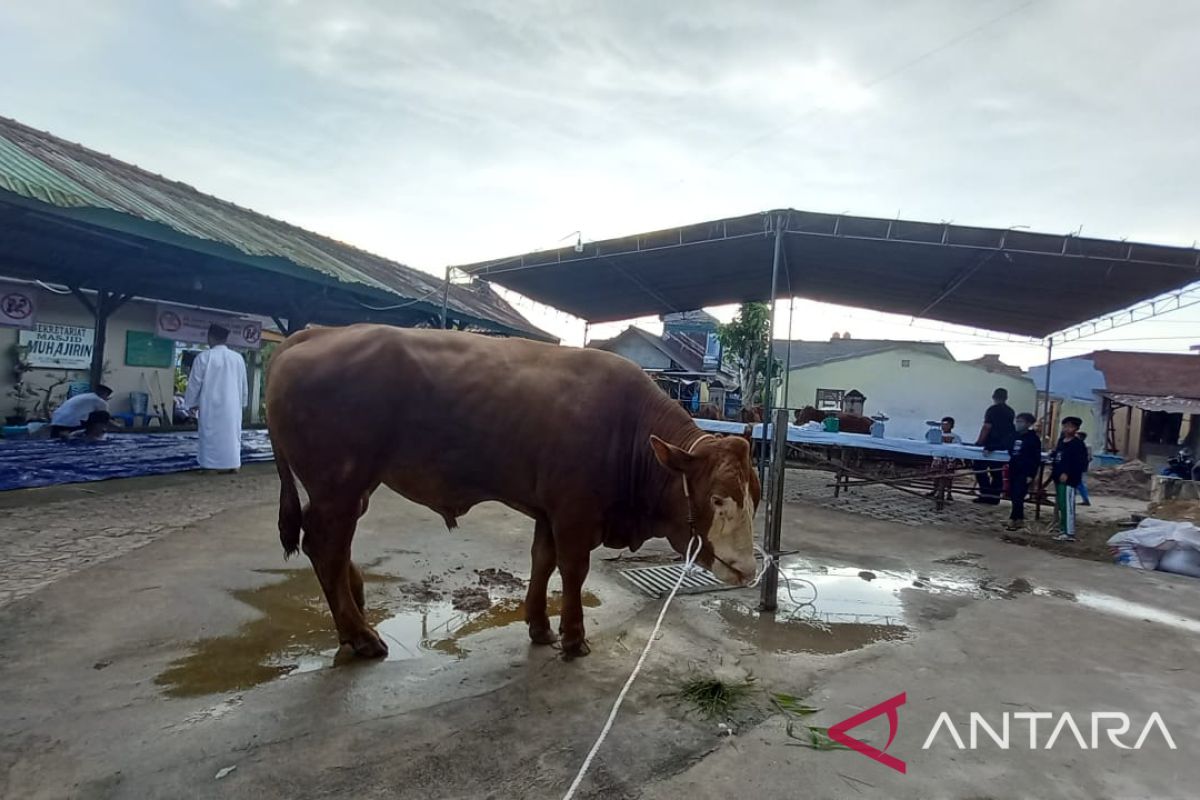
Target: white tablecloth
(915, 447)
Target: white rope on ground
(689, 560)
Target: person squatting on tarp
(1070, 461)
(217, 390)
(86, 413)
(1024, 459)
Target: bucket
(139, 402)
(832, 425)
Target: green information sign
(144, 349)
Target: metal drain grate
(657, 581)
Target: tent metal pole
(787, 367)
(763, 453)
(445, 297)
(1049, 434)
(773, 491)
(774, 520)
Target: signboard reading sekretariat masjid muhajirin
(55, 346)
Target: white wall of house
(911, 387)
(122, 379)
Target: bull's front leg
(543, 560)
(573, 564)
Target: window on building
(1159, 427)
(830, 399)
(904, 362)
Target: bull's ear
(670, 456)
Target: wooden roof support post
(104, 307)
(105, 304)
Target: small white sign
(18, 305)
(58, 346)
(184, 324)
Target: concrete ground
(152, 639)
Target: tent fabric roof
(807, 354)
(1013, 281)
(37, 166)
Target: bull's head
(723, 490)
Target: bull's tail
(290, 514)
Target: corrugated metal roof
(1171, 405)
(38, 166)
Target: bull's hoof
(368, 645)
(575, 649)
(542, 635)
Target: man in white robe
(217, 389)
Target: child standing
(1024, 459)
(1070, 460)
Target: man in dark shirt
(1024, 459)
(1070, 461)
(996, 436)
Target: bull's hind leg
(543, 560)
(328, 532)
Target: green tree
(746, 342)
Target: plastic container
(832, 425)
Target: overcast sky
(440, 133)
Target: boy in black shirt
(1070, 461)
(1025, 456)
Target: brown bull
(751, 414)
(847, 423)
(578, 439)
(709, 411)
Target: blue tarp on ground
(43, 462)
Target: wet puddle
(295, 634)
(832, 610)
